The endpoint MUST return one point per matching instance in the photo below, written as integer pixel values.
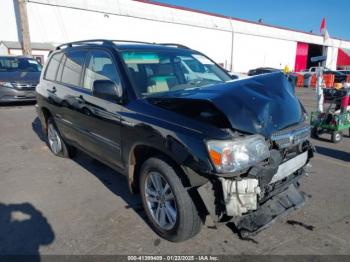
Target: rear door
(66, 93)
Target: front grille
(24, 86)
(291, 136)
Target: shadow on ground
(334, 153)
(23, 229)
(19, 103)
(114, 181)
(36, 126)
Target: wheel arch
(44, 115)
(141, 152)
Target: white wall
(255, 51)
(254, 45)
(55, 24)
(3, 49)
(332, 55)
(8, 26)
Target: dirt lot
(50, 205)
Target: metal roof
(38, 46)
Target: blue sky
(304, 15)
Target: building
(236, 44)
(40, 51)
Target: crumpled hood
(256, 105)
(20, 77)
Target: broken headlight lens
(236, 155)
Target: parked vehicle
(190, 146)
(345, 72)
(19, 76)
(336, 117)
(311, 70)
(262, 70)
(338, 76)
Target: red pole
(344, 103)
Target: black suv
(190, 140)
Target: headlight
(6, 84)
(235, 155)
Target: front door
(99, 119)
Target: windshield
(9, 64)
(160, 72)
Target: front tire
(168, 205)
(55, 142)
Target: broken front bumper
(241, 196)
(287, 201)
(254, 201)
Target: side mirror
(107, 89)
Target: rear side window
(50, 73)
(73, 67)
(100, 66)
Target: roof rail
(85, 42)
(132, 41)
(111, 42)
(174, 45)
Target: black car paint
(110, 131)
(258, 105)
(98, 124)
(114, 131)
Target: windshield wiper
(202, 81)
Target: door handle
(53, 90)
(126, 122)
(81, 99)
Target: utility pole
(24, 27)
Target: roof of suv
(125, 45)
(134, 46)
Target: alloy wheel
(160, 200)
(54, 139)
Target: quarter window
(73, 67)
(51, 70)
(100, 66)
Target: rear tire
(180, 217)
(55, 142)
(336, 136)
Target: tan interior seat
(158, 84)
(163, 80)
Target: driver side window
(100, 66)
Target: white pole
(319, 90)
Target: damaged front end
(254, 197)
(257, 180)
(266, 150)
